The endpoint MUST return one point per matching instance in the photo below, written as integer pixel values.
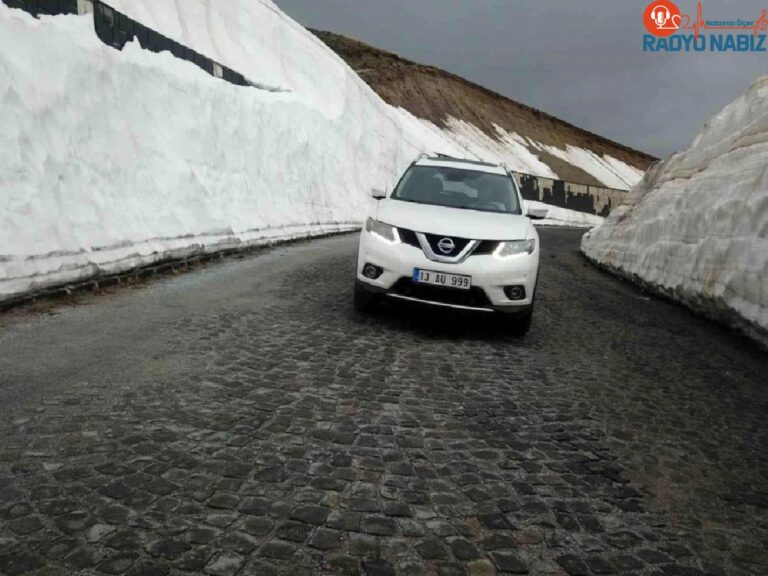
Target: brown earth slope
(435, 95)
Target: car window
(458, 188)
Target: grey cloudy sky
(579, 60)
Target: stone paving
(623, 435)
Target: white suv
(452, 233)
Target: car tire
(363, 300)
(519, 324)
(522, 324)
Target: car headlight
(384, 231)
(514, 247)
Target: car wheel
(522, 324)
(519, 324)
(364, 301)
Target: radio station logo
(662, 18)
(672, 30)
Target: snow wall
(696, 227)
(112, 160)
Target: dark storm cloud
(579, 60)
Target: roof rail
(440, 156)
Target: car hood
(460, 222)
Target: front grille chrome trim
(444, 304)
(458, 259)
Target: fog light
(515, 292)
(371, 271)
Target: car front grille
(458, 244)
(474, 297)
(409, 237)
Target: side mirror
(537, 213)
(378, 193)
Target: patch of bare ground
(436, 95)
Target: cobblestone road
(241, 419)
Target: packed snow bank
(696, 227)
(258, 40)
(255, 38)
(112, 160)
(109, 160)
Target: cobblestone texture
(275, 432)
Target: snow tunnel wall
(695, 228)
(112, 160)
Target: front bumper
(489, 275)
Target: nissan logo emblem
(446, 245)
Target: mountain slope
(453, 103)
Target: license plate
(442, 279)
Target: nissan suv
(453, 233)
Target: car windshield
(458, 188)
